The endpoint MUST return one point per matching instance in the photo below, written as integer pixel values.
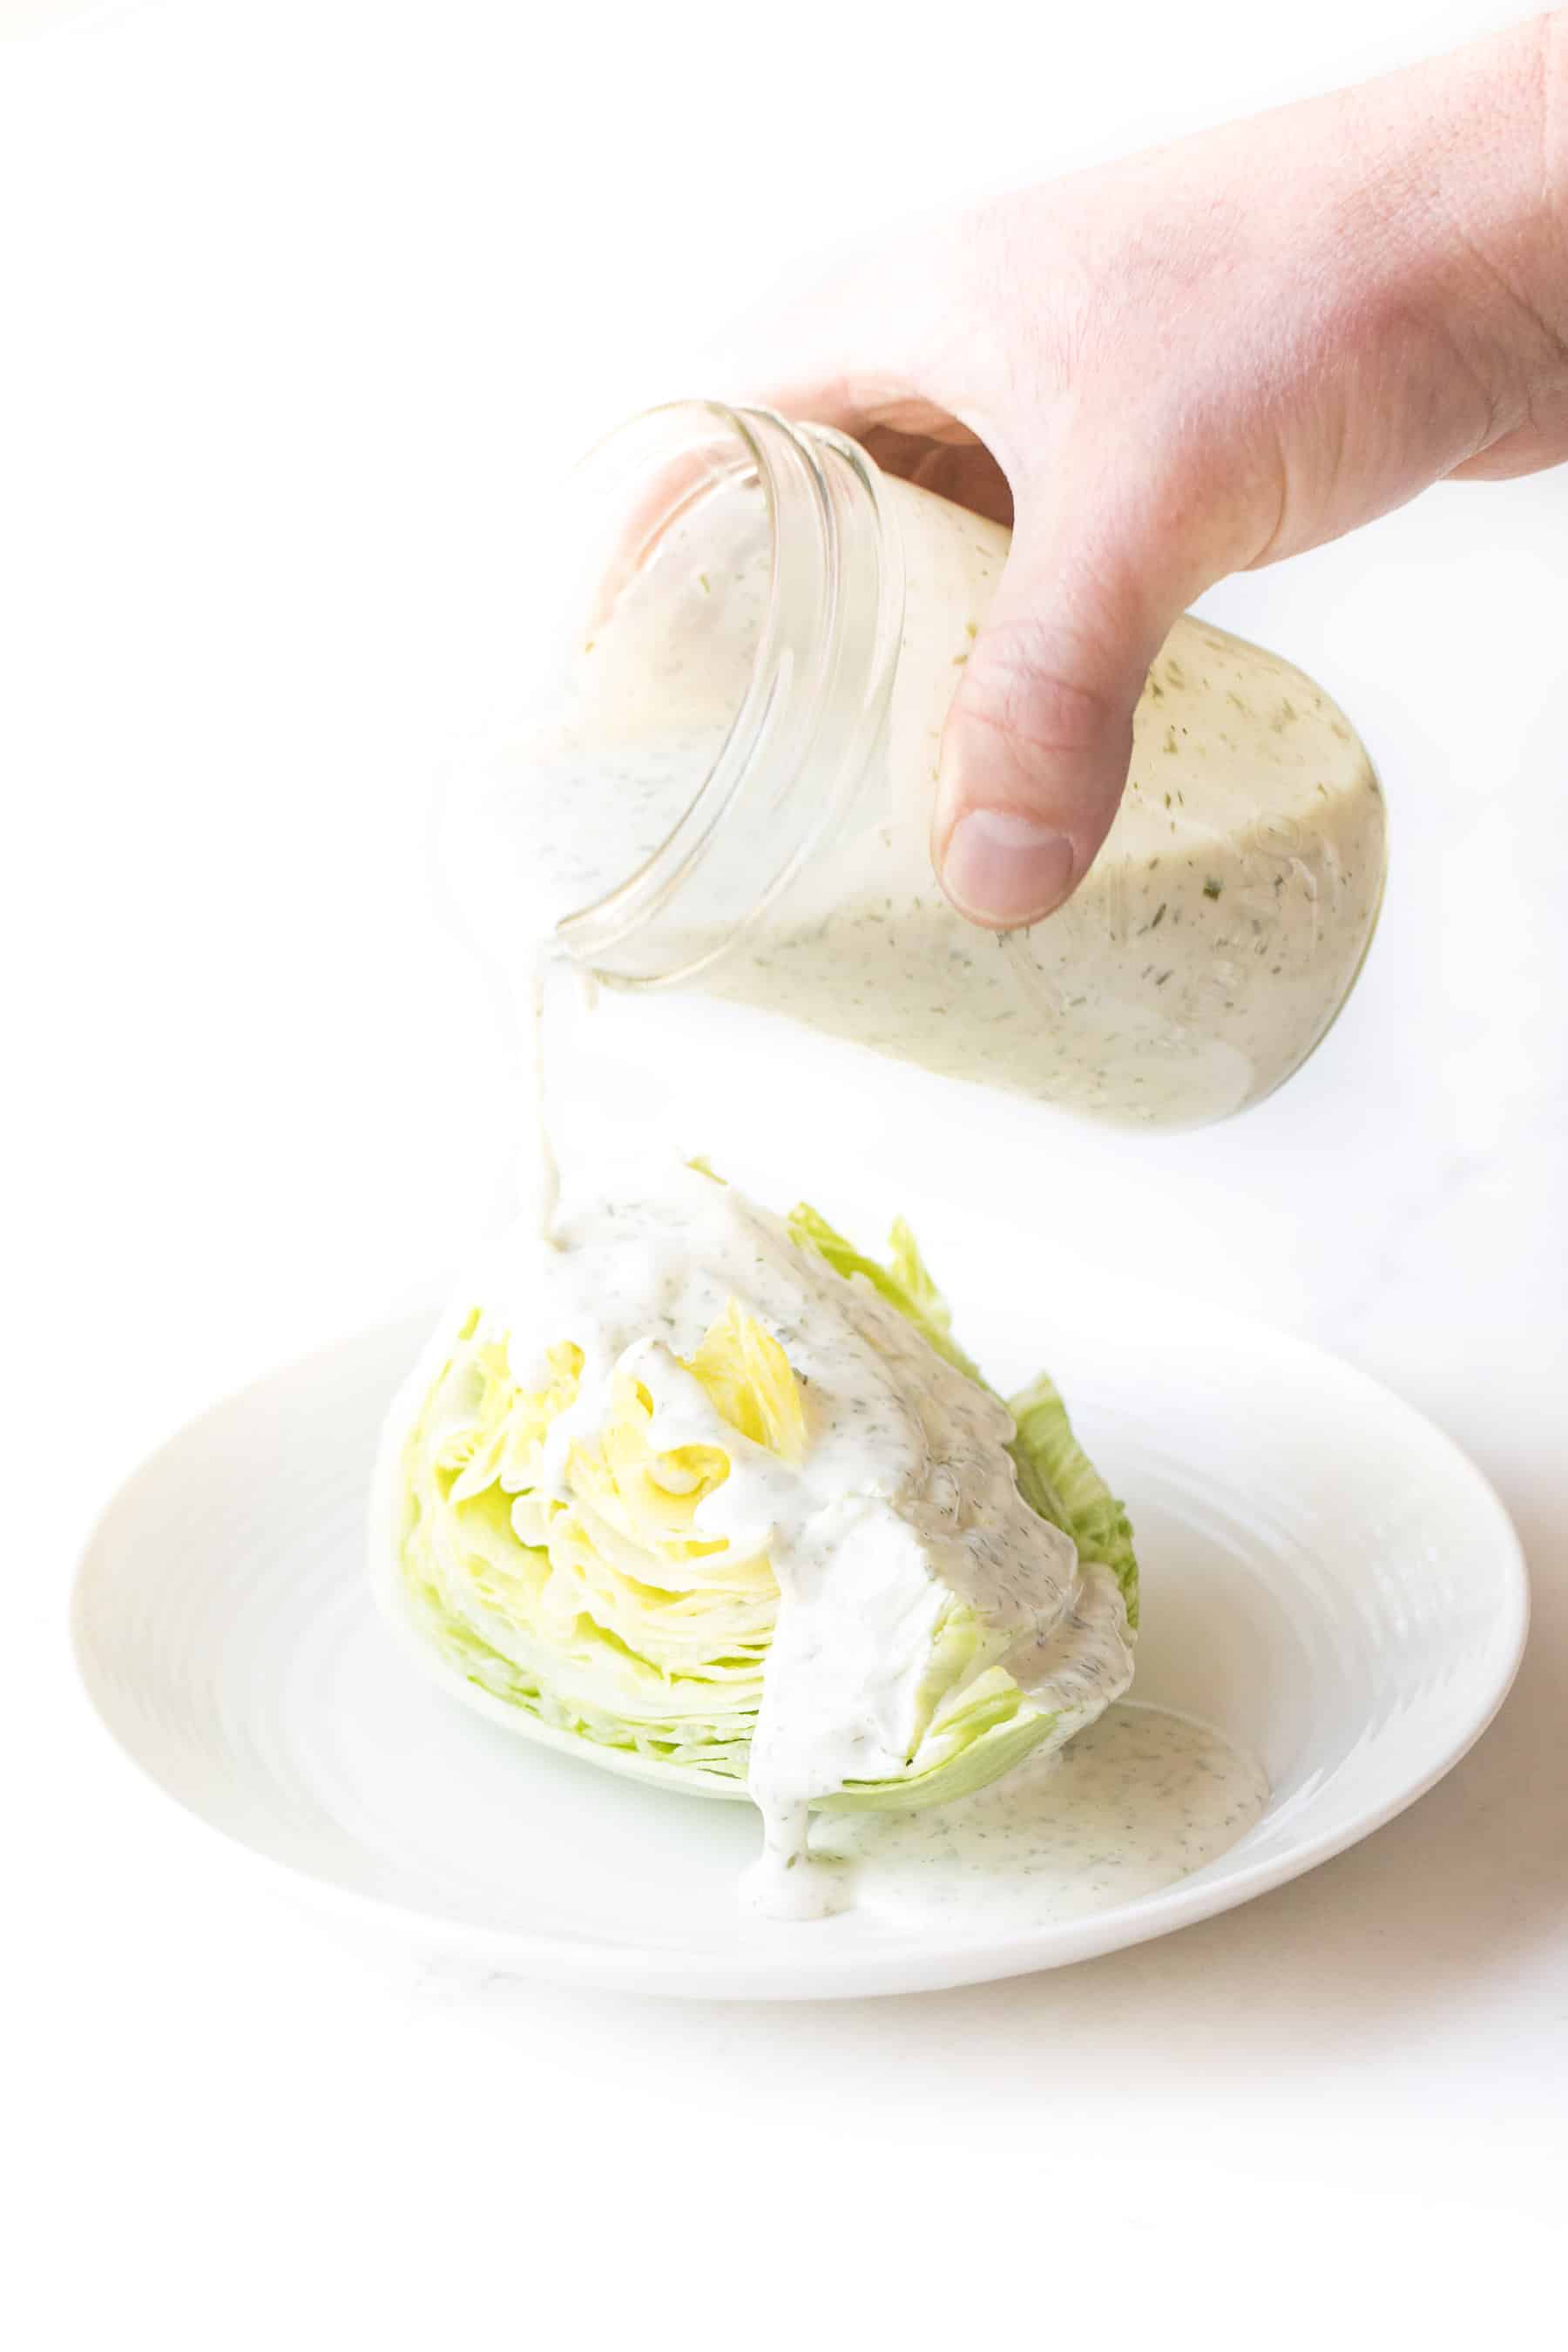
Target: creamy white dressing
(1138, 1799)
(906, 1495)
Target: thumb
(1036, 750)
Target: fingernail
(1005, 870)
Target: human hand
(1190, 364)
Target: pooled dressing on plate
(1137, 1800)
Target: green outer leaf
(1091, 1513)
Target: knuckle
(1027, 685)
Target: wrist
(1492, 122)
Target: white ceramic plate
(1325, 1578)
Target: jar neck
(806, 726)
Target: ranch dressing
(1137, 1800)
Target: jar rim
(799, 656)
(592, 929)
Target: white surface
(294, 298)
(1325, 1579)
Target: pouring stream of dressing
(542, 1168)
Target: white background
(299, 299)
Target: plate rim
(781, 1973)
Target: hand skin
(1190, 364)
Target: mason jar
(746, 639)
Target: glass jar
(749, 644)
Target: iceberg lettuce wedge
(565, 1581)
